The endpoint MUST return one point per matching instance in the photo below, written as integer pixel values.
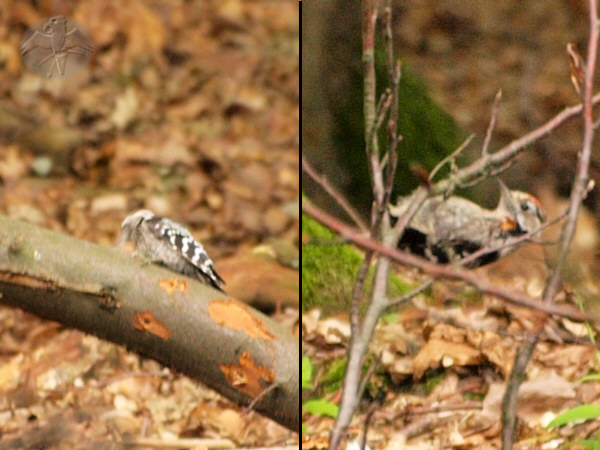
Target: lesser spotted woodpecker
(449, 230)
(170, 244)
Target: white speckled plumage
(168, 243)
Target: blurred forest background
(187, 108)
(455, 56)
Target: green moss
(398, 286)
(333, 378)
(433, 379)
(329, 269)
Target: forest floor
(191, 110)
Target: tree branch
(172, 319)
(438, 270)
(322, 181)
(499, 158)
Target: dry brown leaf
(13, 165)
(260, 281)
(154, 148)
(144, 31)
(548, 392)
(226, 422)
(438, 351)
(126, 108)
(499, 351)
(571, 360)
(335, 329)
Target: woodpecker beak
(506, 201)
(129, 224)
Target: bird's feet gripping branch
(168, 243)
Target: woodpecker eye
(525, 206)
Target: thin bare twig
(370, 13)
(382, 172)
(394, 73)
(492, 125)
(375, 404)
(381, 111)
(322, 181)
(412, 293)
(416, 200)
(358, 341)
(451, 156)
(578, 193)
(580, 186)
(508, 152)
(357, 291)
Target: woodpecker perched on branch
(168, 243)
(449, 230)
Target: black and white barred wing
(183, 243)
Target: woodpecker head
(132, 222)
(521, 208)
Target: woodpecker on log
(170, 244)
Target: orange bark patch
(173, 284)
(246, 375)
(233, 314)
(146, 321)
